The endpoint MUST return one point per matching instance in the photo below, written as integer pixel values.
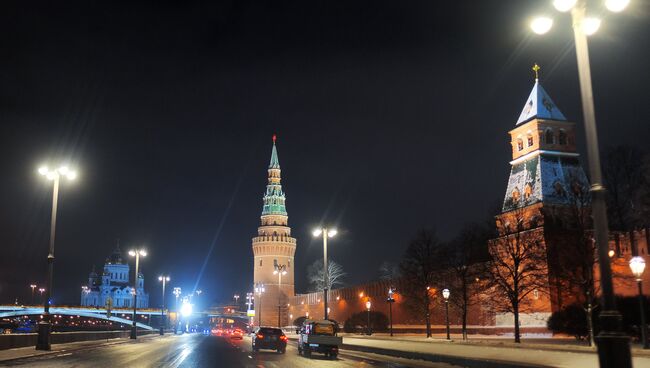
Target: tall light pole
(137, 253)
(259, 290)
(45, 326)
(368, 305)
(236, 297)
(33, 286)
(86, 290)
(445, 294)
(164, 280)
(390, 301)
(249, 303)
(613, 344)
(327, 233)
(41, 290)
(637, 265)
(280, 270)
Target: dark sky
(391, 116)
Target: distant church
(114, 284)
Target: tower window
(528, 191)
(520, 144)
(516, 195)
(562, 137)
(550, 138)
(260, 263)
(530, 140)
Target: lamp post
(86, 290)
(390, 301)
(445, 294)
(41, 290)
(326, 233)
(137, 254)
(164, 280)
(280, 270)
(368, 305)
(613, 344)
(637, 265)
(45, 326)
(259, 289)
(33, 286)
(249, 303)
(236, 297)
(177, 292)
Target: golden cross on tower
(536, 69)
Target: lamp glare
(616, 5)
(564, 5)
(590, 26)
(541, 25)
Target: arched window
(550, 137)
(516, 195)
(562, 137)
(528, 191)
(520, 144)
(530, 139)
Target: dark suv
(269, 338)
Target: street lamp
(249, 303)
(390, 301)
(445, 294)
(368, 305)
(613, 344)
(45, 326)
(259, 289)
(137, 253)
(280, 270)
(41, 290)
(33, 286)
(326, 233)
(637, 265)
(236, 297)
(164, 280)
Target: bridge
(98, 313)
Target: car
(237, 334)
(269, 338)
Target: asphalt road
(205, 351)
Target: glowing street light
(390, 301)
(137, 253)
(164, 280)
(637, 265)
(280, 270)
(445, 294)
(259, 290)
(326, 233)
(368, 305)
(45, 326)
(541, 25)
(33, 286)
(613, 344)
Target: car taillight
(260, 336)
(283, 338)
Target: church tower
(273, 251)
(546, 188)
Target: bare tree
(517, 265)
(420, 269)
(317, 280)
(389, 271)
(465, 256)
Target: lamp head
(541, 25)
(445, 293)
(637, 265)
(564, 5)
(368, 305)
(590, 25)
(616, 5)
(317, 232)
(332, 233)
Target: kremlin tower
(273, 251)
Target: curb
(439, 358)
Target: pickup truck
(319, 337)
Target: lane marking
(62, 355)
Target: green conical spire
(275, 163)
(274, 197)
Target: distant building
(273, 247)
(114, 284)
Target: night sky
(390, 116)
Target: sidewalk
(480, 353)
(58, 349)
